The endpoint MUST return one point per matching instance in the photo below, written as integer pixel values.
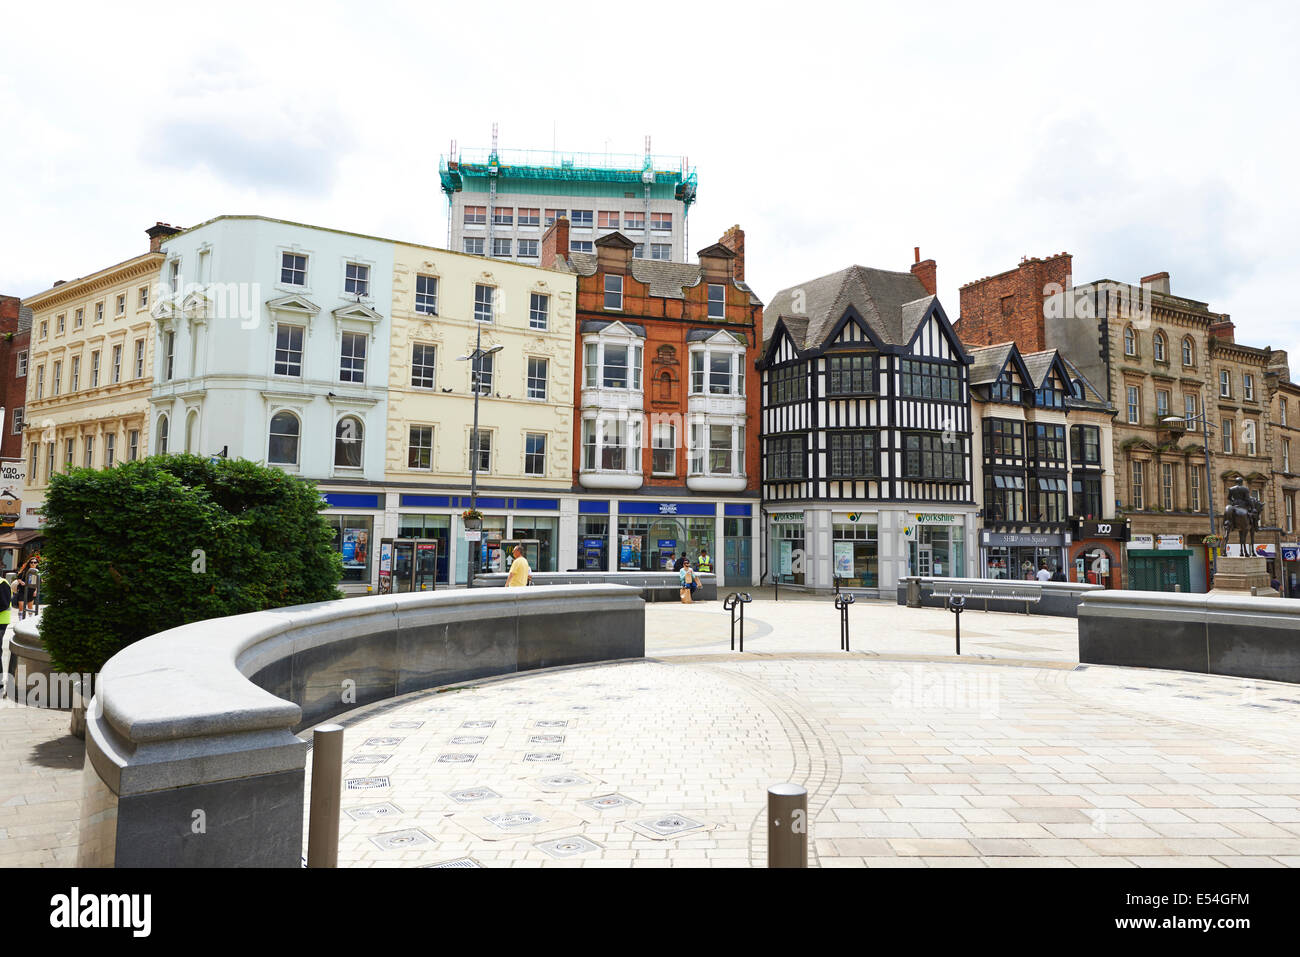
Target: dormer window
(717, 301)
(1005, 390)
(1051, 395)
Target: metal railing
(842, 603)
(733, 602)
(1029, 593)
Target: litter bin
(914, 593)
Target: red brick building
(15, 336)
(665, 435)
(1008, 307)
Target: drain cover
(402, 840)
(514, 819)
(369, 812)
(478, 724)
(608, 801)
(569, 846)
(406, 724)
(383, 742)
(456, 758)
(468, 739)
(670, 824)
(546, 739)
(364, 784)
(470, 795)
(369, 758)
(538, 756)
(550, 724)
(459, 862)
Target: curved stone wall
(191, 753)
(654, 586)
(1209, 633)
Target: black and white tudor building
(867, 472)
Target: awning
(19, 536)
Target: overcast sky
(1139, 137)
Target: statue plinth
(1237, 576)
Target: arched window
(1130, 341)
(283, 449)
(666, 386)
(1077, 385)
(347, 443)
(1189, 352)
(160, 442)
(1158, 346)
(192, 432)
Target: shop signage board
(1170, 542)
(473, 534)
(936, 518)
(1116, 530)
(1142, 541)
(787, 517)
(1022, 538)
(844, 559)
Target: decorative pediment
(356, 312)
(196, 306)
(298, 307)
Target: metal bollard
(956, 605)
(787, 826)
(326, 796)
(842, 603)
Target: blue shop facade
(398, 540)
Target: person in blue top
(687, 579)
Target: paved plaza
(1014, 755)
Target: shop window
(352, 534)
(348, 443)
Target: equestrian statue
(1242, 514)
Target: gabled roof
(665, 279)
(989, 362)
(892, 304)
(617, 240)
(1039, 364)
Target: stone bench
(203, 718)
(1056, 599)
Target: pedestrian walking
(686, 577)
(1043, 574)
(521, 573)
(6, 611)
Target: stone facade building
(91, 369)
(1154, 356)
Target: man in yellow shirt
(520, 572)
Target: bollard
(956, 605)
(787, 826)
(842, 603)
(326, 796)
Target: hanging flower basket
(472, 518)
(1212, 541)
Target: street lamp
(477, 358)
(1179, 424)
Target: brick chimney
(734, 239)
(1222, 328)
(157, 233)
(925, 272)
(9, 306)
(555, 244)
(1158, 281)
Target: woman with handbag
(687, 579)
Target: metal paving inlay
(470, 795)
(402, 840)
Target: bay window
(717, 449)
(612, 365)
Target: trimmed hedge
(149, 545)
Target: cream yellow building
(91, 369)
(442, 301)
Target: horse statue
(1242, 514)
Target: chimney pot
(916, 252)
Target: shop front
(531, 523)
(936, 544)
(787, 548)
(1164, 562)
(855, 545)
(353, 516)
(1020, 555)
(1097, 552)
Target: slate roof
(1091, 397)
(892, 303)
(989, 362)
(703, 335)
(24, 318)
(595, 325)
(665, 279)
(1038, 364)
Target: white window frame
(432, 366)
(429, 305)
(721, 303)
(360, 282)
(635, 359)
(293, 270)
(534, 455)
(411, 446)
(544, 312)
(530, 378)
(288, 363)
(346, 336)
(618, 280)
(297, 449)
(484, 302)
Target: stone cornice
(128, 271)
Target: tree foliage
(149, 545)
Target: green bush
(149, 545)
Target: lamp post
(476, 370)
(1179, 424)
